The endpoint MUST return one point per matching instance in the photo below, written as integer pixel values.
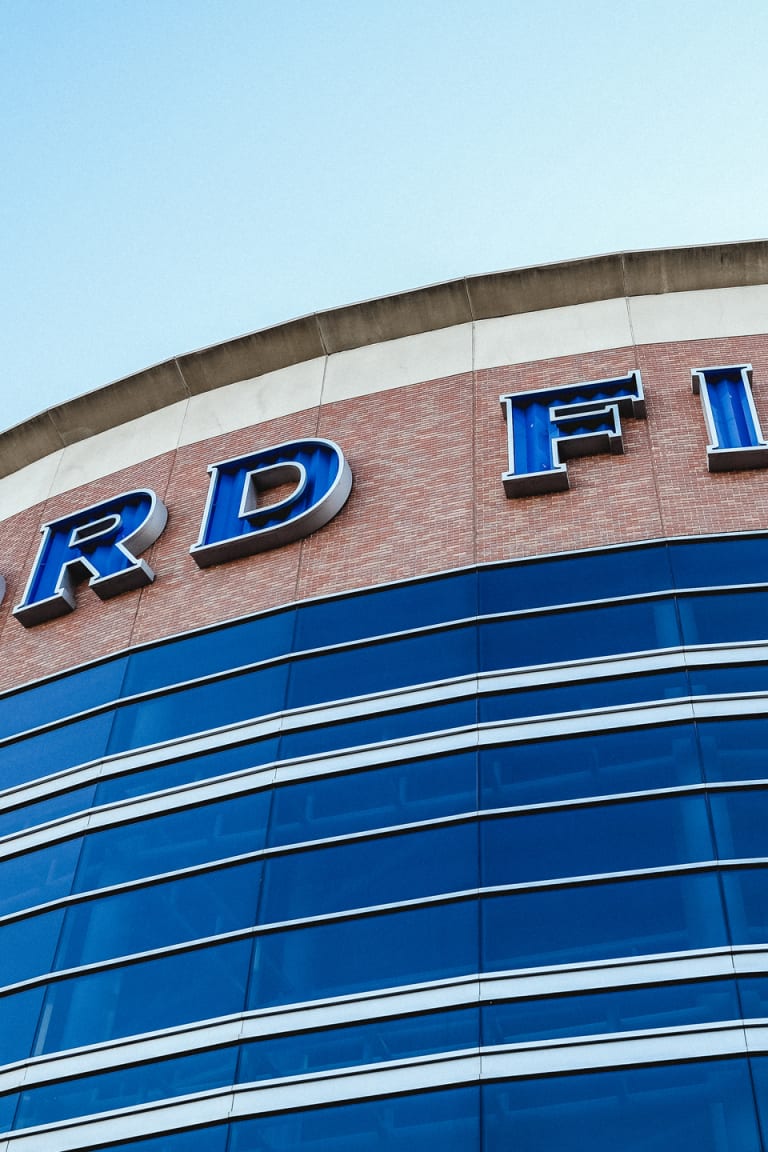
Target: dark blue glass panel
(52, 808)
(206, 653)
(28, 946)
(588, 694)
(578, 634)
(729, 678)
(383, 665)
(706, 563)
(617, 1010)
(173, 840)
(290, 1055)
(447, 1120)
(746, 900)
(127, 1087)
(189, 908)
(597, 921)
(429, 943)
(186, 771)
(599, 764)
(753, 996)
(382, 726)
(37, 756)
(382, 610)
(585, 841)
(364, 873)
(64, 696)
(759, 1066)
(356, 1044)
(8, 1105)
(740, 821)
(193, 1140)
(181, 713)
(706, 1105)
(569, 579)
(144, 996)
(37, 877)
(734, 749)
(375, 798)
(724, 617)
(19, 1014)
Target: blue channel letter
(238, 521)
(99, 544)
(735, 438)
(548, 427)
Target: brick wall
(427, 462)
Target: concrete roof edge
(532, 289)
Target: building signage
(548, 427)
(103, 543)
(235, 524)
(99, 544)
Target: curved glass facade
(479, 858)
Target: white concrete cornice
(430, 333)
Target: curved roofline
(621, 274)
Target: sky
(178, 172)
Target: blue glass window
(28, 946)
(569, 579)
(140, 919)
(381, 726)
(615, 1010)
(395, 1039)
(582, 695)
(598, 764)
(34, 757)
(706, 563)
(386, 949)
(724, 617)
(383, 665)
(737, 678)
(588, 840)
(242, 697)
(753, 996)
(8, 1105)
(126, 1087)
(746, 899)
(19, 1014)
(578, 634)
(365, 872)
(741, 823)
(193, 1140)
(447, 1120)
(187, 770)
(146, 995)
(51, 808)
(64, 696)
(374, 798)
(205, 653)
(36, 877)
(263, 1059)
(563, 925)
(734, 749)
(173, 840)
(382, 610)
(707, 1105)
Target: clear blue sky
(177, 172)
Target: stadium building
(384, 729)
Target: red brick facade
(427, 462)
